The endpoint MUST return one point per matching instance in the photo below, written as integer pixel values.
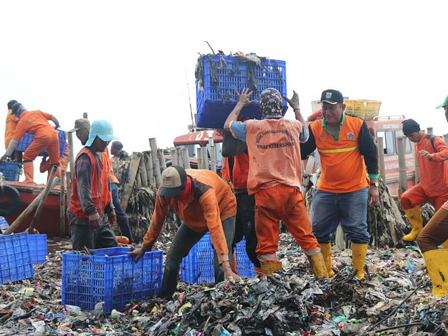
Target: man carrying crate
(275, 177)
(91, 198)
(45, 137)
(204, 202)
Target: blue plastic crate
(110, 276)
(38, 248)
(10, 170)
(15, 258)
(215, 102)
(197, 266)
(27, 139)
(243, 264)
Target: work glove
(294, 101)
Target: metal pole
(155, 158)
(62, 205)
(212, 153)
(200, 158)
(381, 158)
(205, 153)
(402, 176)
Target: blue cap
(102, 129)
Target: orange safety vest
(274, 154)
(342, 165)
(240, 172)
(100, 186)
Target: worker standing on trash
(275, 177)
(123, 222)
(434, 234)
(10, 124)
(346, 147)
(204, 202)
(432, 152)
(91, 212)
(45, 137)
(236, 171)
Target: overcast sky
(132, 62)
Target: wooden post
(62, 205)
(161, 159)
(211, 143)
(43, 199)
(382, 167)
(186, 158)
(71, 157)
(416, 167)
(402, 176)
(149, 168)
(68, 177)
(85, 115)
(179, 157)
(174, 157)
(142, 172)
(206, 161)
(155, 159)
(430, 131)
(129, 185)
(201, 163)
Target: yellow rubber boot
(414, 216)
(269, 267)
(325, 248)
(28, 169)
(437, 265)
(318, 264)
(359, 253)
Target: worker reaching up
(11, 124)
(432, 152)
(275, 177)
(45, 137)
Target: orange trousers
(417, 195)
(48, 141)
(274, 204)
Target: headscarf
(410, 126)
(271, 104)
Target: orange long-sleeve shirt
(10, 127)
(434, 172)
(211, 201)
(33, 122)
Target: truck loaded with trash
(321, 221)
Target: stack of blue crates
(38, 248)
(197, 266)
(10, 170)
(110, 276)
(15, 258)
(215, 102)
(27, 139)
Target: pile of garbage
(393, 297)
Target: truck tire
(9, 200)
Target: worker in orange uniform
(432, 152)
(11, 124)
(275, 177)
(91, 212)
(346, 148)
(63, 162)
(435, 231)
(204, 202)
(45, 137)
(236, 171)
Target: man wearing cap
(204, 202)
(91, 197)
(82, 129)
(435, 232)
(45, 137)
(11, 124)
(275, 177)
(346, 148)
(432, 152)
